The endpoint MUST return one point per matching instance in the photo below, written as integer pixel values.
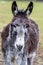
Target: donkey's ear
(29, 8)
(14, 8)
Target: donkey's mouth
(19, 47)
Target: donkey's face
(20, 33)
(20, 26)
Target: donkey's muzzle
(19, 47)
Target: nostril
(19, 47)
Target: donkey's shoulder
(34, 25)
(5, 32)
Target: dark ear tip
(14, 2)
(31, 4)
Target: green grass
(37, 15)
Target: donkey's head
(20, 26)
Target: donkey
(20, 37)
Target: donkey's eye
(27, 25)
(13, 25)
(17, 24)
